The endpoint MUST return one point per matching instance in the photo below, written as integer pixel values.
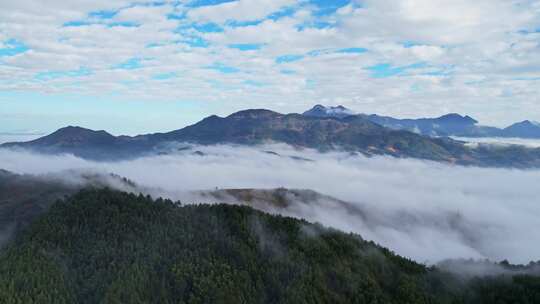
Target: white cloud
(427, 52)
(241, 10)
(477, 61)
(422, 210)
(143, 14)
(442, 21)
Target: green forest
(105, 246)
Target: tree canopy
(105, 246)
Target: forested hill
(103, 246)
(25, 197)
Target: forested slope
(103, 246)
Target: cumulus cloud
(446, 22)
(422, 210)
(240, 10)
(475, 57)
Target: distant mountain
(524, 129)
(74, 136)
(85, 143)
(457, 125)
(452, 124)
(350, 133)
(251, 127)
(322, 111)
(446, 125)
(354, 133)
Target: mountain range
(353, 133)
(447, 125)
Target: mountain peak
(526, 129)
(528, 123)
(254, 114)
(75, 129)
(79, 131)
(75, 135)
(457, 118)
(322, 111)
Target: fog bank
(501, 141)
(423, 210)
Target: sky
(147, 66)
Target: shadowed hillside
(103, 246)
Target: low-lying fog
(502, 141)
(423, 210)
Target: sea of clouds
(422, 210)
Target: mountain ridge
(523, 128)
(244, 127)
(353, 133)
(452, 124)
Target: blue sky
(148, 66)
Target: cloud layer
(403, 58)
(423, 210)
(533, 143)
